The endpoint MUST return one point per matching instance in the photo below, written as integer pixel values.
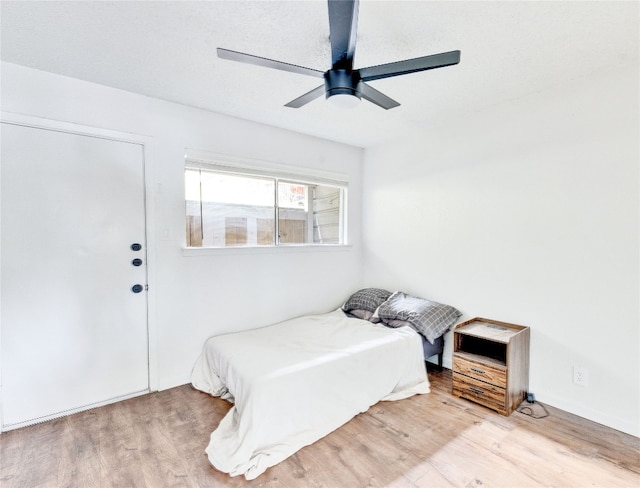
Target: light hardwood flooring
(433, 440)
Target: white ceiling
(167, 50)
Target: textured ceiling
(167, 50)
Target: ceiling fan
(343, 85)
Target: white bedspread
(295, 382)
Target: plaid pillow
(431, 319)
(365, 302)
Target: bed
(294, 382)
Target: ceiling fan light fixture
(343, 101)
(342, 88)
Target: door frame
(147, 144)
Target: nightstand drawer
(480, 392)
(480, 371)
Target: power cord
(528, 410)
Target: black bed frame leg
(440, 362)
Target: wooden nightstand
(491, 363)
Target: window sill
(217, 251)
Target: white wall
(198, 296)
(527, 213)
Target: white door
(74, 334)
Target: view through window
(225, 209)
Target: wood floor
(433, 440)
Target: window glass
(293, 214)
(228, 210)
(327, 214)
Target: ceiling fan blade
(343, 23)
(374, 96)
(267, 63)
(307, 97)
(409, 66)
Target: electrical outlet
(580, 376)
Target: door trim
(147, 144)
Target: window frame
(279, 174)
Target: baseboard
(617, 423)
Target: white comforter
(294, 382)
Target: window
(233, 206)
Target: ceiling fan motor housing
(342, 82)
